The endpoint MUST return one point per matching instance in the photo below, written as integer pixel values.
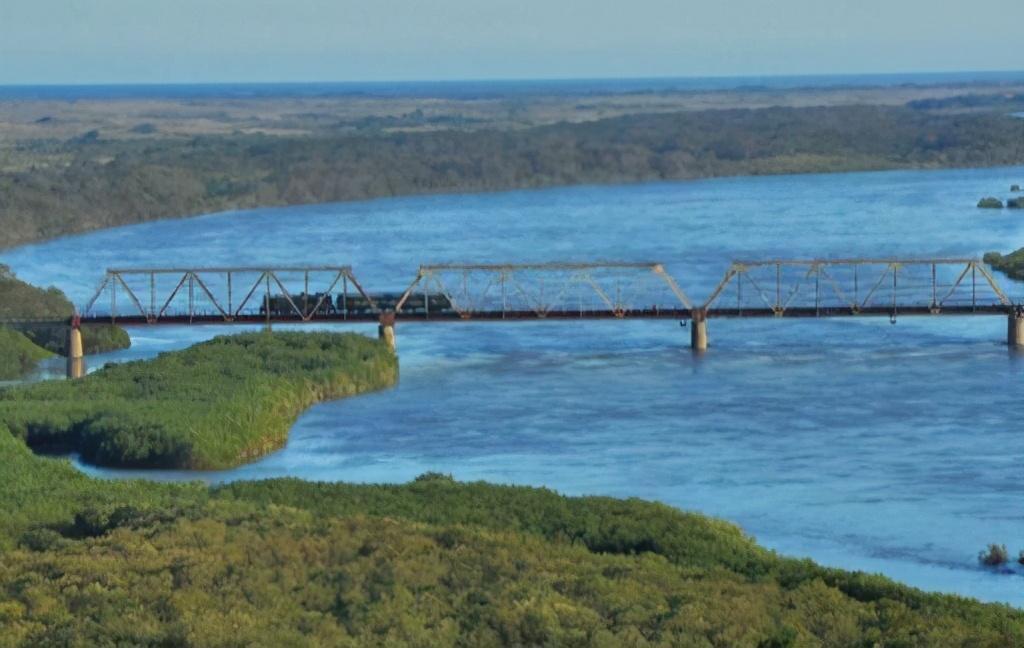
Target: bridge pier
(76, 356)
(1015, 329)
(386, 330)
(699, 331)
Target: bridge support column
(76, 356)
(1015, 330)
(699, 331)
(386, 330)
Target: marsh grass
(215, 405)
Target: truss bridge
(773, 288)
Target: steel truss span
(202, 295)
(798, 288)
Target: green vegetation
(433, 562)
(86, 183)
(1010, 264)
(18, 355)
(43, 315)
(214, 405)
(990, 203)
(995, 556)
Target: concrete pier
(699, 331)
(76, 356)
(1015, 330)
(386, 330)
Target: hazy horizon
(64, 42)
(867, 74)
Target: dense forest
(215, 405)
(90, 182)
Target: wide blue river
(862, 444)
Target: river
(862, 444)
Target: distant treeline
(1008, 101)
(101, 183)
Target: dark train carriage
(353, 304)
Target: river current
(861, 444)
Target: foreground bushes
(433, 562)
(214, 405)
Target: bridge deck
(528, 315)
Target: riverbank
(59, 187)
(215, 405)
(293, 562)
(18, 355)
(1012, 264)
(34, 323)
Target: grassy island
(434, 562)
(215, 405)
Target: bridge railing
(854, 286)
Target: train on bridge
(356, 306)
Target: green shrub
(990, 203)
(994, 556)
(43, 539)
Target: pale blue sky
(160, 41)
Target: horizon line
(524, 79)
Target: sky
(205, 41)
